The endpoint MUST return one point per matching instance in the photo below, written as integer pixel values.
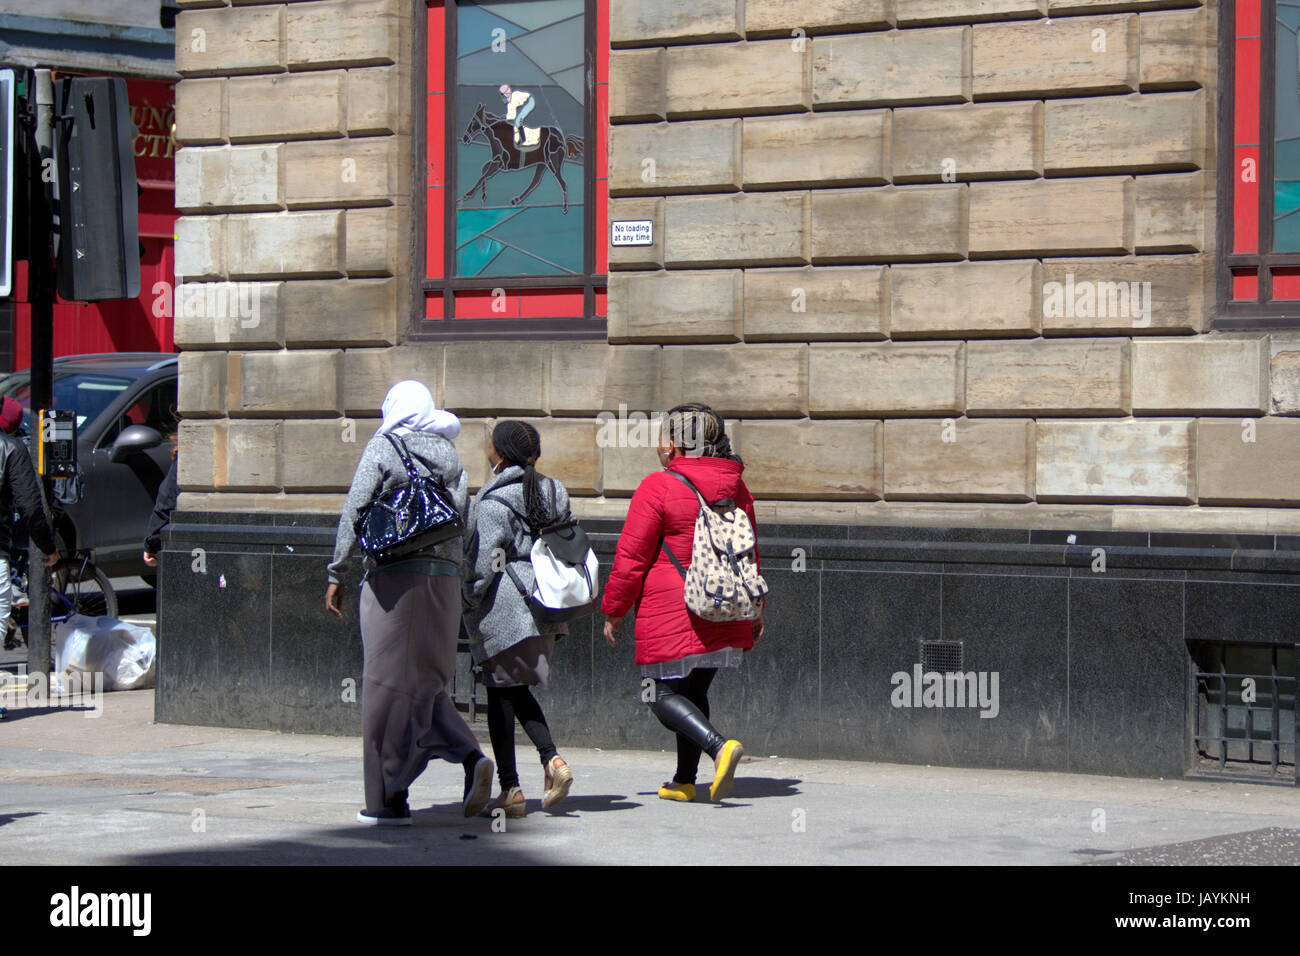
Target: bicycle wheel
(81, 588)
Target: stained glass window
(514, 142)
(1259, 279)
(520, 116)
(1286, 130)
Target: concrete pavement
(119, 789)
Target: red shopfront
(128, 325)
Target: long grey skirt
(409, 625)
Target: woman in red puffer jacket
(679, 651)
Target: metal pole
(41, 295)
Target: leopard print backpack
(722, 582)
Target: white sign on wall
(633, 232)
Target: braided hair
(519, 444)
(697, 430)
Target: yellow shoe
(724, 769)
(681, 792)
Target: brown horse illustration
(550, 153)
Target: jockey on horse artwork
(519, 103)
(514, 148)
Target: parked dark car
(126, 410)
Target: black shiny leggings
(682, 705)
(504, 705)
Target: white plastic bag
(124, 653)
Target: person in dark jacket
(21, 491)
(161, 517)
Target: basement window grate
(943, 657)
(1244, 714)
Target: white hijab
(409, 407)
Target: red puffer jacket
(662, 505)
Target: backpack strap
(664, 547)
(513, 554)
(501, 501)
(672, 557)
(515, 511)
(688, 483)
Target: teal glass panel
(1286, 129)
(1286, 197)
(520, 159)
(1286, 232)
(1286, 157)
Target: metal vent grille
(944, 657)
(1245, 722)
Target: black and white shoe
(397, 813)
(478, 786)
(384, 818)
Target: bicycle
(77, 586)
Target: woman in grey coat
(410, 621)
(511, 648)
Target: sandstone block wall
(937, 262)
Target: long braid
(519, 444)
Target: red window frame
(500, 307)
(1257, 287)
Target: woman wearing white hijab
(410, 621)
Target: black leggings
(504, 705)
(682, 705)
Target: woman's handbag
(409, 517)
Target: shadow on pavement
(439, 836)
(11, 817)
(752, 787)
(12, 714)
(596, 803)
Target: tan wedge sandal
(559, 778)
(512, 802)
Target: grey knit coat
(496, 614)
(381, 469)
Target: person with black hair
(680, 652)
(513, 651)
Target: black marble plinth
(1092, 666)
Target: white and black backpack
(566, 571)
(722, 583)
